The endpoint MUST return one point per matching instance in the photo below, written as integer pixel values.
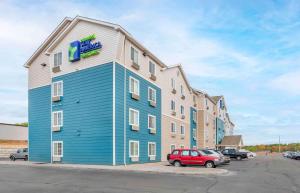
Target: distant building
(12, 132)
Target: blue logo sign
(84, 48)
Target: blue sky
(248, 51)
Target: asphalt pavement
(264, 174)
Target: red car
(182, 157)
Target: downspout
(125, 111)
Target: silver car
(20, 154)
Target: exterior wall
(13, 132)
(38, 75)
(142, 105)
(39, 102)
(107, 36)
(87, 115)
(193, 124)
(220, 130)
(168, 139)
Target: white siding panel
(38, 75)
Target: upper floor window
(57, 88)
(152, 94)
(134, 86)
(181, 90)
(151, 68)
(151, 122)
(173, 83)
(182, 110)
(194, 116)
(173, 127)
(57, 59)
(173, 105)
(182, 130)
(134, 55)
(194, 98)
(57, 119)
(133, 117)
(194, 134)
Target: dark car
(233, 153)
(296, 156)
(20, 154)
(182, 157)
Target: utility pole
(279, 144)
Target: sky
(248, 51)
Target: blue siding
(40, 124)
(87, 115)
(193, 125)
(143, 135)
(220, 130)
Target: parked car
(233, 153)
(182, 157)
(296, 155)
(286, 153)
(249, 153)
(20, 154)
(212, 152)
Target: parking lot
(263, 174)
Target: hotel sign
(84, 48)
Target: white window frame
(54, 113)
(173, 83)
(173, 102)
(56, 58)
(182, 111)
(151, 143)
(138, 117)
(62, 148)
(154, 67)
(194, 134)
(135, 53)
(138, 147)
(153, 90)
(171, 147)
(173, 132)
(61, 87)
(149, 115)
(138, 86)
(194, 116)
(182, 126)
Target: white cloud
(289, 83)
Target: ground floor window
(151, 149)
(57, 149)
(133, 148)
(172, 147)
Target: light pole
(279, 144)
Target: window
(151, 149)
(194, 116)
(185, 153)
(57, 149)
(172, 105)
(194, 133)
(134, 86)
(173, 83)
(134, 55)
(194, 153)
(151, 67)
(133, 149)
(194, 98)
(57, 118)
(176, 152)
(182, 130)
(173, 127)
(182, 110)
(57, 59)
(133, 117)
(152, 94)
(181, 90)
(181, 146)
(172, 147)
(151, 122)
(57, 88)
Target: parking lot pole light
(279, 144)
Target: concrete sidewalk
(159, 167)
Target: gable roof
(66, 21)
(179, 66)
(205, 94)
(216, 98)
(232, 140)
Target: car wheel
(238, 157)
(26, 158)
(12, 158)
(209, 164)
(177, 164)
